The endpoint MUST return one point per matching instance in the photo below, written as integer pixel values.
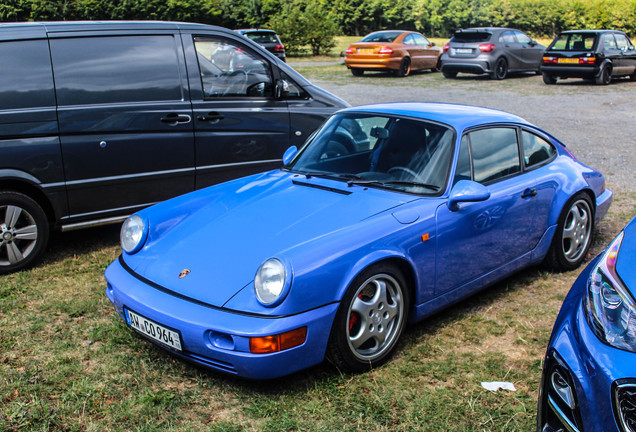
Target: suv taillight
(486, 47)
(279, 47)
(446, 47)
(386, 50)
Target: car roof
(484, 29)
(591, 31)
(461, 117)
(255, 30)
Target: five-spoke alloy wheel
(370, 320)
(574, 234)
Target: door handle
(529, 193)
(174, 118)
(212, 117)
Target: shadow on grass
(63, 245)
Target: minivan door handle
(529, 193)
(174, 118)
(212, 117)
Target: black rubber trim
(208, 305)
(326, 188)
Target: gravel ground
(598, 123)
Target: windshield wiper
(393, 182)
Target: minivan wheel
(501, 69)
(24, 231)
(549, 79)
(605, 77)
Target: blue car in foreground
(387, 214)
(589, 374)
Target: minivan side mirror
(466, 191)
(289, 154)
(282, 89)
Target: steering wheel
(406, 170)
(234, 82)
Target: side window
(522, 37)
(495, 153)
(463, 162)
(228, 69)
(27, 80)
(409, 40)
(507, 37)
(535, 149)
(609, 42)
(115, 69)
(421, 40)
(622, 42)
(294, 91)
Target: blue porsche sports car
(589, 374)
(387, 214)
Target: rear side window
(608, 42)
(26, 79)
(536, 150)
(622, 42)
(263, 37)
(495, 153)
(471, 36)
(116, 69)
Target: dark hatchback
(268, 39)
(493, 51)
(138, 112)
(598, 55)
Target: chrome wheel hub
(19, 234)
(577, 230)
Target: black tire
(605, 76)
(549, 79)
(405, 67)
(24, 231)
(573, 236)
(501, 69)
(357, 72)
(437, 66)
(370, 320)
(632, 77)
(449, 75)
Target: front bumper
(592, 369)
(219, 339)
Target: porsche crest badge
(184, 273)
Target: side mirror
(282, 89)
(433, 44)
(466, 191)
(289, 154)
(533, 43)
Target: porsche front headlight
(610, 307)
(133, 234)
(269, 282)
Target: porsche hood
(208, 245)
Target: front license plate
(568, 60)
(365, 51)
(154, 331)
(463, 51)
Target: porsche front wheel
(370, 320)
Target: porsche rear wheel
(370, 319)
(573, 237)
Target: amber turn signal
(279, 342)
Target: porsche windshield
(380, 151)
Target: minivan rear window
(574, 42)
(471, 36)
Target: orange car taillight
(349, 50)
(386, 50)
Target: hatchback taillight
(386, 50)
(349, 50)
(446, 47)
(587, 60)
(550, 60)
(279, 47)
(486, 47)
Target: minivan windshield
(379, 151)
(573, 42)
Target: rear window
(471, 36)
(574, 42)
(387, 36)
(263, 37)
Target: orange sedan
(395, 50)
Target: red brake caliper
(353, 318)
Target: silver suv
(492, 51)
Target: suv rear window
(574, 42)
(471, 36)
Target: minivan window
(116, 69)
(26, 80)
(231, 70)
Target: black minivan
(100, 119)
